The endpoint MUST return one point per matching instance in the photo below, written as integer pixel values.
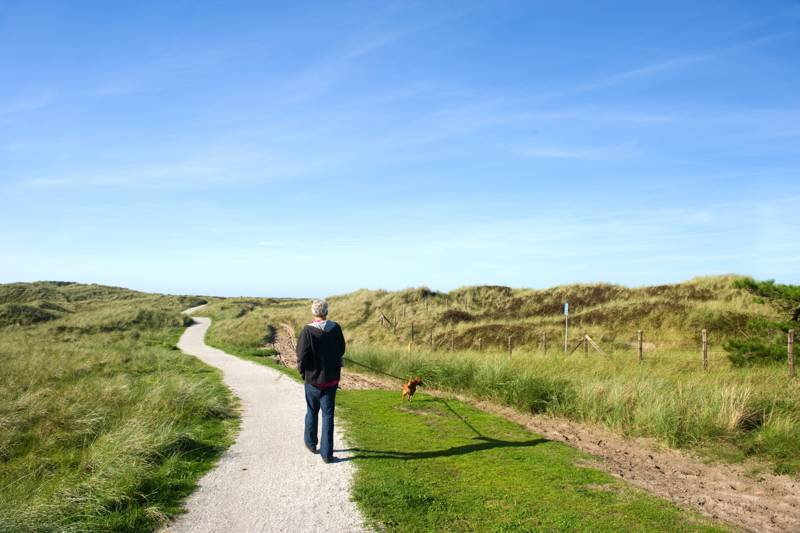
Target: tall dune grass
(728, 413)
(671, 316)
(104, 425)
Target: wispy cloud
(31, 102)
(607, 114)
(371, 44)
(220, 166)
(577, 152)
(641, 72)
(662, 66)
(160, 68)
(319, 76)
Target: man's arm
(343, 347)
(303, 351)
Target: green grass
(729, 413)
(440, 465)
(104, 424)
(671, 316)
(733, 414)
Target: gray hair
(319, 308)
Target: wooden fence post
(705, 349)
(790, 352)
(412, 333)
(509, 344)
(452, 341)
(430, 338)
(544, 342)
(585, 344)
(640, 345)
(480, 344)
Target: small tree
(786, 297)
(762, 344)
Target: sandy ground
(267, 480)
(764, 502)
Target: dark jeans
(316, 399)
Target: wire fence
(444, 339)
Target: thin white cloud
(161, 67)
(213, 166)
(274, 244)
(318, 77)
(662, 66)
(31, 102)
(366, 46)
(577, 152)
(643, 71)
(598, 114)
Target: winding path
(267, 480)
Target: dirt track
(725, 492)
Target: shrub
(535, 394)
(270, 335)
(747, 352)
(787, 297)
(191, 301)
(23, 315)
(155, 319)
(454, 316)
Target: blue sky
(298, 149)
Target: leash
(290, 331)
(374, 369)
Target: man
(319, 360)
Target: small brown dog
(410, 388)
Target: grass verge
(749, 414)
(104, 424)
(730, 414)
(440, 465)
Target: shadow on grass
(486, 443)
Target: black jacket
(320, 353)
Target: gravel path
(266, 481)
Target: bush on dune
(24, 315)
(747, 352)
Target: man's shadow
(485, 443)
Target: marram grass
(104, 425)
(730, 413)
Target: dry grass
(670, 315)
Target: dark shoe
(312, 449)
(328, 460)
